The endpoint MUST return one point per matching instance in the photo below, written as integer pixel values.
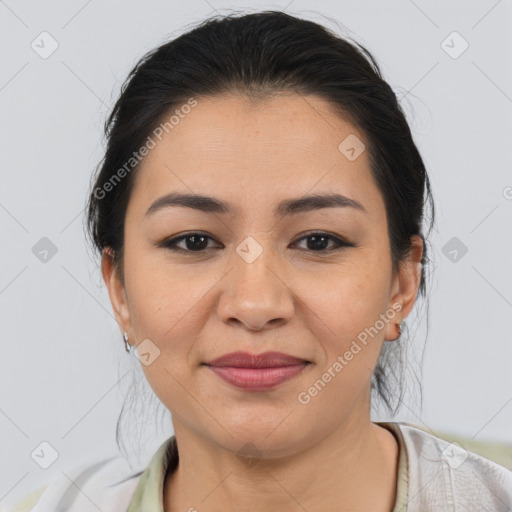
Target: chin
(260, 440)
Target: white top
(433, 475)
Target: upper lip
(263, 360)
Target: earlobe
(398, 327)
(408, 282)
(115, 289)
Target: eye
(319, 242)
(193, 242)
(198, 242)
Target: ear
(116, 290)
(405, 286)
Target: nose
(254, 295)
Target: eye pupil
(317, 242)
(198, 242)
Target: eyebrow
(287, 207)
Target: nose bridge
(255, 294)
(254, 273)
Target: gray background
(63, 368)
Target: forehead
(283, 146)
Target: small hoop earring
(400, 327)
(127, 346)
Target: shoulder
(445, 476)
(106, 485)
(28, 502)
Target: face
(313, 280)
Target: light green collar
(149, 493)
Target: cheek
(347, 298)
(346, 311)
(171, 308)
(163, 298)
(350, 333)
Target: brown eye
(319, 242)
(193, 242)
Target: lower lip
(257, 379)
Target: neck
(352, 468)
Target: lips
(264, 360)
(257, 372)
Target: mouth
(263, 360)
(257, 372)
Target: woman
(259, 214)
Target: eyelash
(171, 243)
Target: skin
(324, 455)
